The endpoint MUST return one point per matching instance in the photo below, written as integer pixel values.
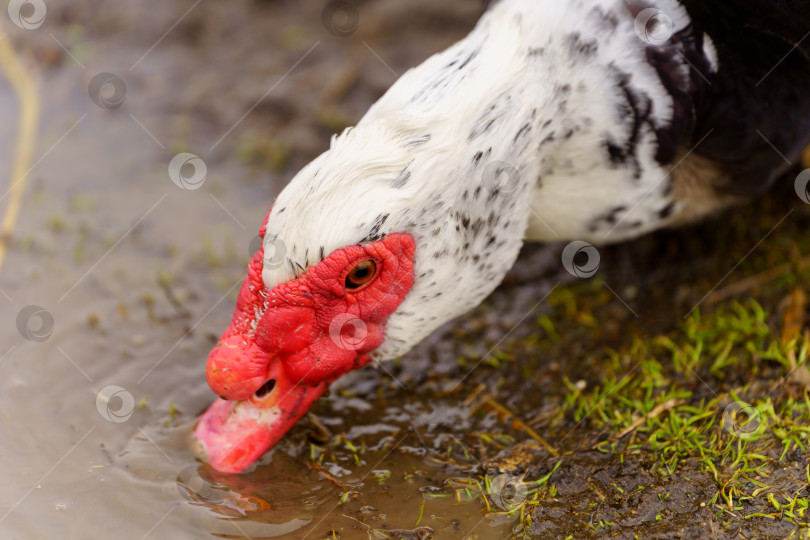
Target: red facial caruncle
(285, 345)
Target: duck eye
(362, 273)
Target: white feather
(428, 129)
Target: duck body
(590, 120)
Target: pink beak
(234, 434)
(265, 381)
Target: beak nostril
(266, 388)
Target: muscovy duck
(589, 120)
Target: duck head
(336, 285)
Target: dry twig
(328, 476)
(654, 413)
(23, 84)
(521, 425)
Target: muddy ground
(561, 408)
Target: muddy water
(138, 276)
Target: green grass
(732, 355)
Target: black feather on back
(760, 95)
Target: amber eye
(362, 273)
